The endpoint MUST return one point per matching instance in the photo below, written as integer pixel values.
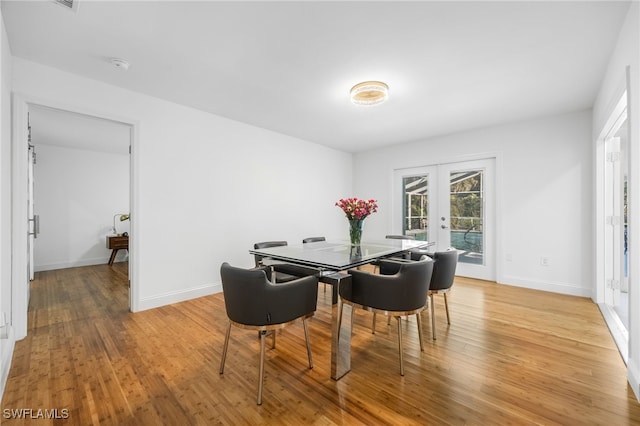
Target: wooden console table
(115, 243)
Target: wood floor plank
(510, 356)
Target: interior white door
(452, 205)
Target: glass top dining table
(329, 258)
(338, 255)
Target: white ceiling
(288, 66)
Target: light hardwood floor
(510, 356)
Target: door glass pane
(415, 206)
(467, 215)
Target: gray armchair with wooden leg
(315, 240)
(282, 271)
(253, 302)
(376, 268)
(279, 275)
(403, 256)
(400, 289)
(444, 271)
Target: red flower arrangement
(356, 208)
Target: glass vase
(355, 231)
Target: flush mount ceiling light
(369, 93)
(120, 63)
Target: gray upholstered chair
(400, 289)
(400, 237)
(284, 272)
(402, 256)
(407, 255)
(417, 253)
(253, 302)
(444, 271)
(313, 240)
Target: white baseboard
(178, 296)
(554, 287)
(633, 376)
(6, 354)
(74, 264)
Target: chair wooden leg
(224, 348)
(273, 341)
(400, 345)
(261, 369)
(446, 307)
(373, 324)
(433, 318)
(306, 338)
(419, 320)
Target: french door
(612, 256)
(615, 188)
(451, 205)
(615, 261)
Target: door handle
(36, 225)
(443, 226)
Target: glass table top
(338, 255)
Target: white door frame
(19, 224)
(618, 331)
(600, 219)
(495, 247)
(33, 225)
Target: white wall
(614, 81)
(204, 188)
(627, 54)
(6, 345)
(543, 187)
(76, 194)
